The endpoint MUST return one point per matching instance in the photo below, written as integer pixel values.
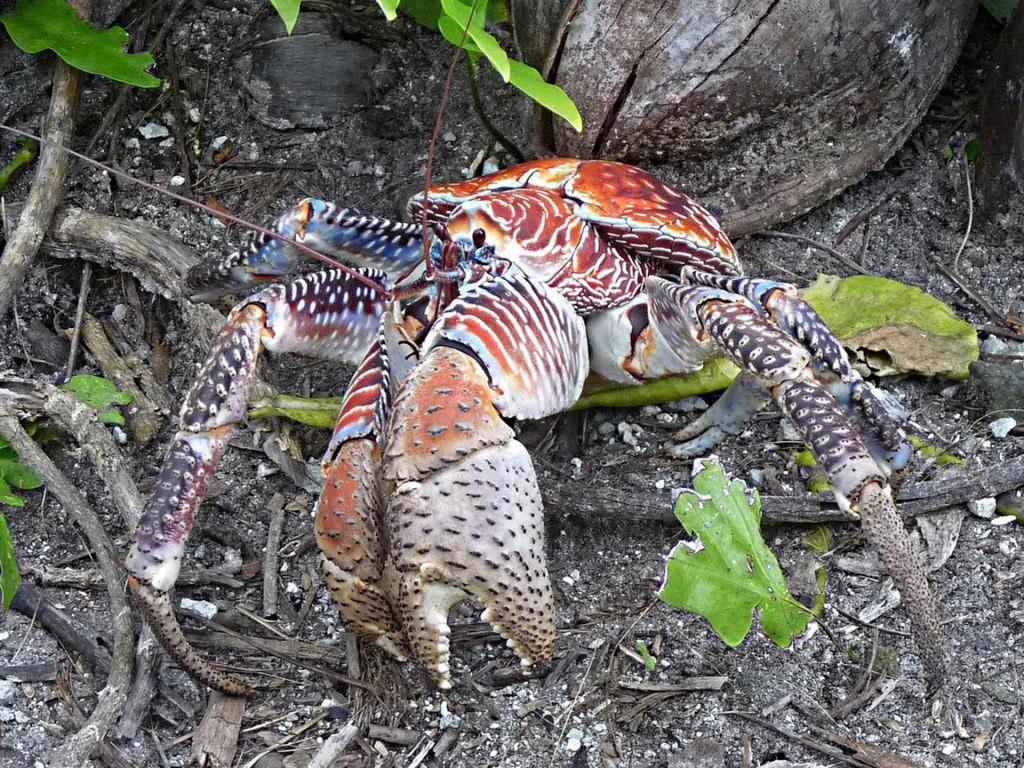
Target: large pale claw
(466, 516)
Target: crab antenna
(371, 284)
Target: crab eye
(479, 238)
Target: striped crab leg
(796, 317)
(687, 313)
(328, 314)
(465, 514)
(367, 241)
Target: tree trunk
(762, 109)
(1000, 169)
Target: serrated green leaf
(100, 395)
(897, 328)
(288, 10)
(466, 17)
(39, 25)
(313, 411)
(10, 579)
(717, 373)
(734, 573)
(551, 97)
(1002, 10)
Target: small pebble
(167, 143)
(574, 740)
(154, 131)
(177, 181)
(605, 428)
(131, 143)
(1004, 520)
(448, 136)
(577, 467)
(993, 345)
(7, 690)
(490, 166)
(194, 115)
(219, 142)
(1000, 428)
(982, 507)
(205, 609)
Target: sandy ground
(590, 706)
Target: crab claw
(465, 517)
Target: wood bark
(762, 109)
(1000, 169)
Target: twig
(48, 186)
(957, 279)
(914, 498)
(179, 115)
(33, 602)
(842, 258)
(110, 118)
(334, 747)
(806, 741)
(51, 576)
(77, 750)
(970, 214)
(148, 655)
(217, 736)
(485, 121)
(276, 507)
(76, 334)
(144, 417)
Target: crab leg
(797, 318)
(328, 314)
(349, 524)
(367, 241)
(737, 327)
(465, 516)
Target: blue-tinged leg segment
(342, 233)
(744, 398)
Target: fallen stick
(276, 508)
(51, 576)
(32, 602)
(144, 417)
(76, 751)
(334, 747)
(914, 498)
(216, 739)
(48, 186)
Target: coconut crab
(536, 275)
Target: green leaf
(314, 411)
(1002, 10)
(18, 475)
(465, 16)
(453, 33)
(717, 373)
(733, 573)
(7, 495)
(971, 149)
(288, 10)
(424, 12)
(895, 328)
(390, 8)
(529, 81)
(38, 25)
(817, 480)
(22, 157)
(943, 458)
(819, 540)
(10, 579)
(100, 395)
(649, 661)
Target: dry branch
(334, 747)
(33, 603)
(914, 498)
(48, 186)
(111, 699)
(217, 738)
